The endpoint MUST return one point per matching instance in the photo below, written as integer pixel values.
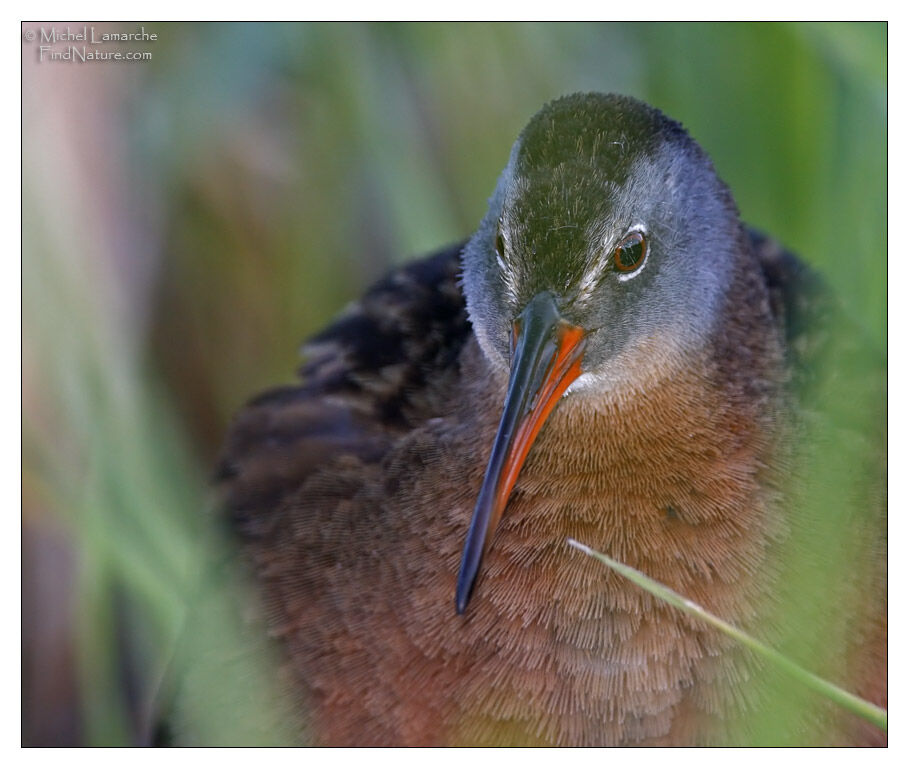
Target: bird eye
(630, 253)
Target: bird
(613, 357)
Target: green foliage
(862, 708)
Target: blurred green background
(189, 220)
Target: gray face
(588, 172)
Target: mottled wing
(822, 339)
(363, 386)
(800, 301)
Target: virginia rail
(636, 359)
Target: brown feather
(351, 494)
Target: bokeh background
(188, 220)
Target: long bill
(546, 359)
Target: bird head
(608, 231)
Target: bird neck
(670, 473)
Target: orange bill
(546, 358)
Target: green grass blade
(862, 708)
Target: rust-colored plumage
(673, 451)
